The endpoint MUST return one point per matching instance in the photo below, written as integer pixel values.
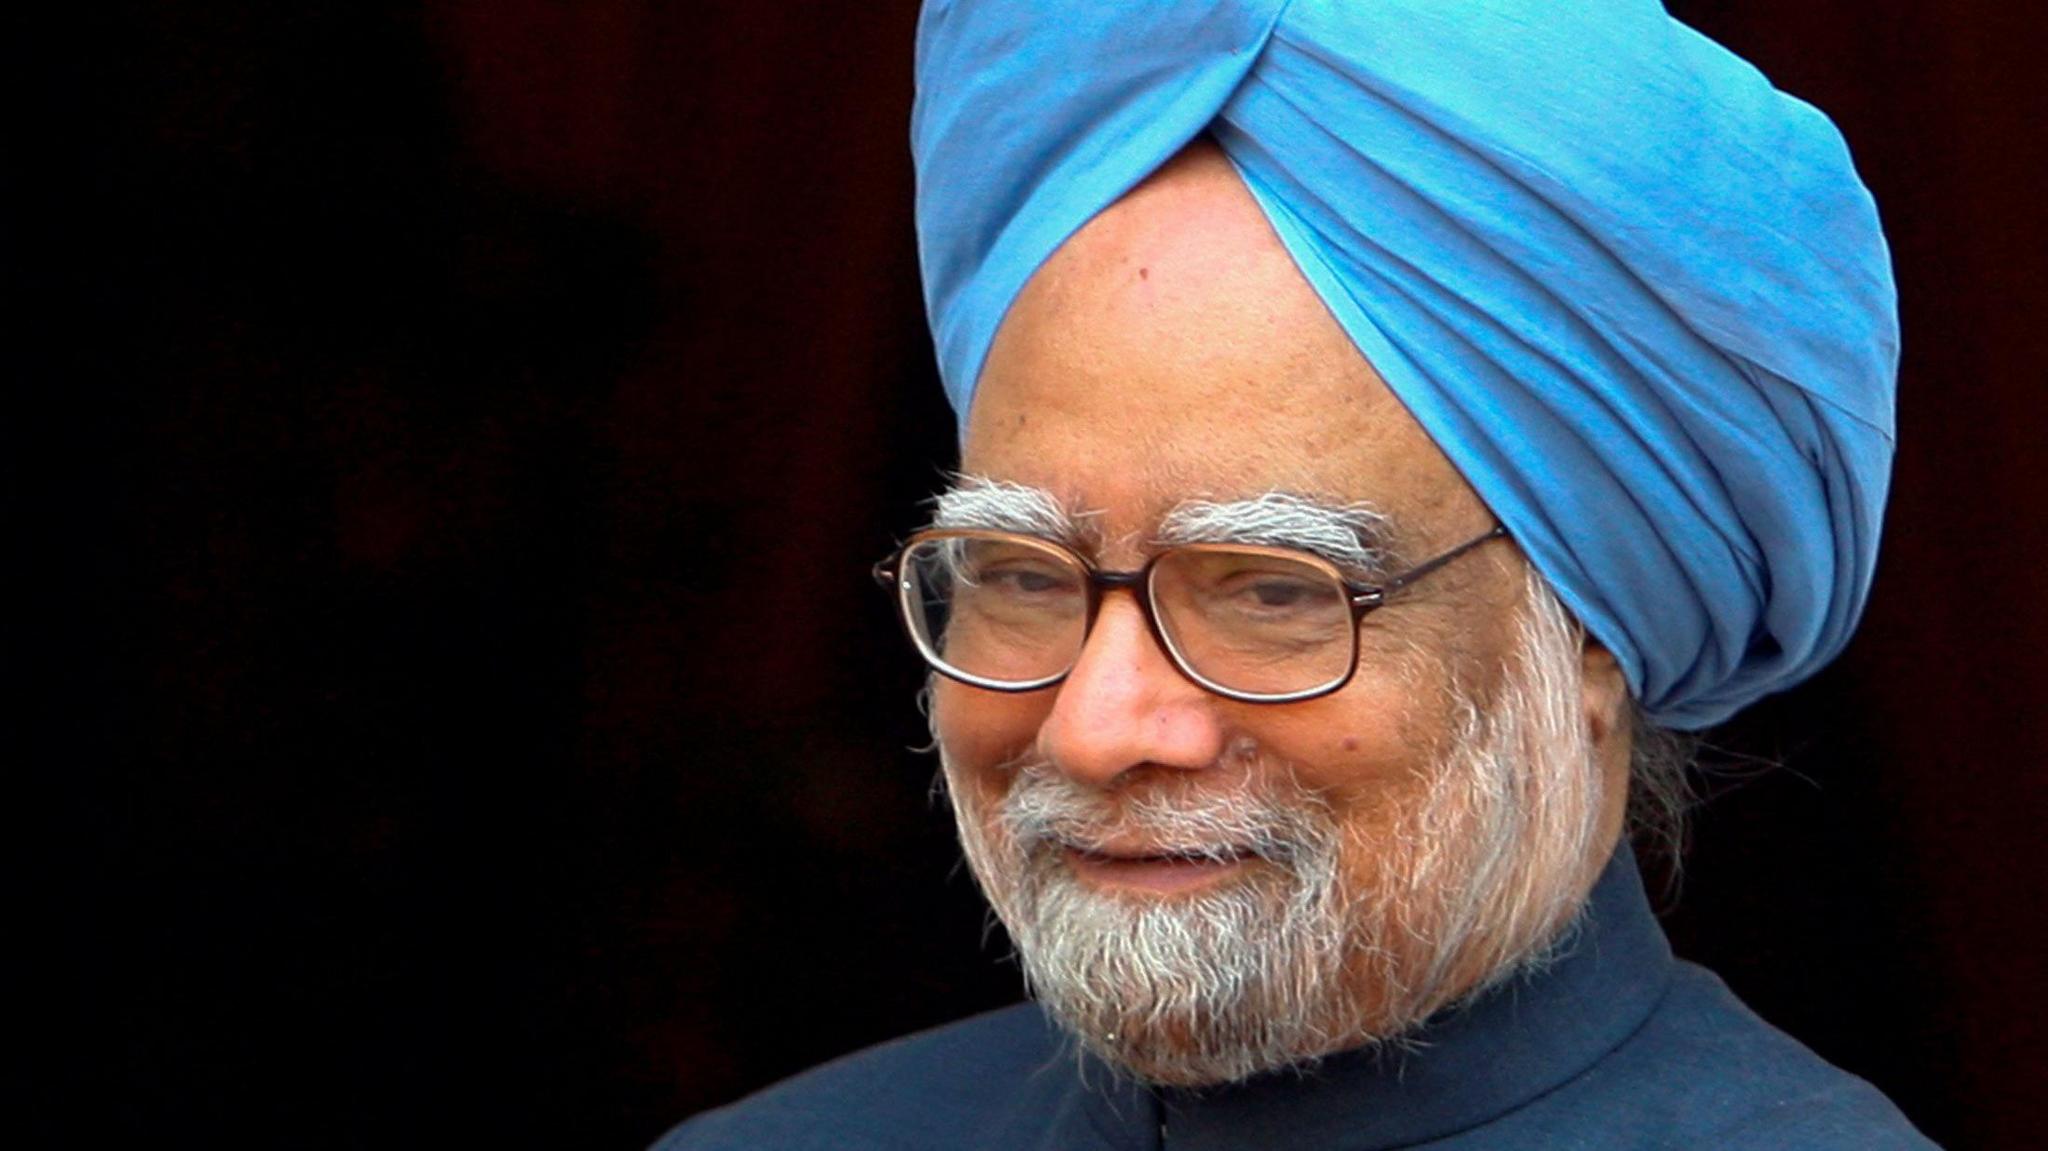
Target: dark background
(445, 444)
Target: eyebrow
(1354, 536)
(982, 504)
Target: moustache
(1279, 822)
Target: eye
(1284, 591)
(1017, 571)
(1273, 594)
(1028, 579)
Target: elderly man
(1380, 420)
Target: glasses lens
(1004, 609)
(1254, 621)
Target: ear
(1604, 699)
(1604, 702)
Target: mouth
(1155, 870)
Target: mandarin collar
(1466, 1066)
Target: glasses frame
(1363, 598)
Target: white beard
(1283, 963)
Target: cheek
(1387, 720)
(982, 731)
(1355, 748)
(1372, 752)
(1373, 765)
(1415, 682)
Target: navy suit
(1616, 1045)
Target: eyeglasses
(1011, 612)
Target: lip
(1151, 870)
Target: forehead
(1171, 349)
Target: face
(1202, 888)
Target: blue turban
(1634, 293)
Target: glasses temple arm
(1374, 595)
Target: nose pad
(1126, 706)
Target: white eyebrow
(1353, 536)
(983, 504)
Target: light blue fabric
(1637, 295)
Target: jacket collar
(1466, 1066)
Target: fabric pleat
(1637, 295)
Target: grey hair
(976, 502)
(1660, 765)
(1345, 534)
(1479, 878)
(1660, 791)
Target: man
(1378, 419)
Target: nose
(1125, 706)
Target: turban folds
(1636, 295)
